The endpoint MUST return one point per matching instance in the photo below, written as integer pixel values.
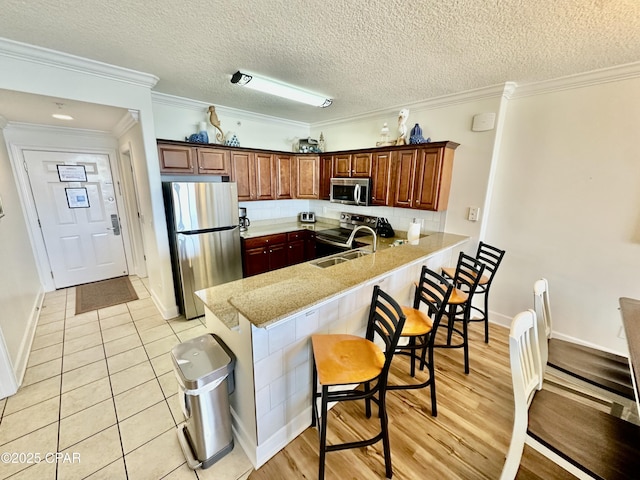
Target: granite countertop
(267, 298)
(258, 229)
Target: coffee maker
(243, 221)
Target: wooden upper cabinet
(361, 164)
(213, 161)
(265, 176)
(306, 177)
(404, 165)
(284, 170)
(411, 176)
(433, 179)
(352, 165)
(380, 178)
(175, 159)
(342, 165)
(326, 173)
(243, 172)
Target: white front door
(76, 204)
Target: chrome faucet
(349, 242)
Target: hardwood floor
(467, 440)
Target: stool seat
(345, 359)
(451, 272)
(416, 323)
(458, 297)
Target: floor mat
(92, 296)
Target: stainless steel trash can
(204, 369)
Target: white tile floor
(101, 385)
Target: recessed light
(60, 116)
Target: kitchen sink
(339, 258)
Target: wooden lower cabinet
(270, 252)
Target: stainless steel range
(333, 240)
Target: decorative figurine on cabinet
(402, 127)
(213, 118)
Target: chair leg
(432, 377)
(367, 400)
(323, 432)
(314, 395)
(465, 340)
(450, 322)
(412, 351)
(385, 433)
(486, 316)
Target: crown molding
(127, 121)
(199, 106)
(60, 131)
(595, 77)
(53, 58)
(494, 91)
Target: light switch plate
(474, 213)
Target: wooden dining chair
(432, 291)
(583, 440)
(465, 281)
(491, 257)
(586, 368)
(342, 361)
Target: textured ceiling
(365, 55)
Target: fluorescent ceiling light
(280, 89)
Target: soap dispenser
(413, 234)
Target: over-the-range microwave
(351, 191)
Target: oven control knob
(343, 216)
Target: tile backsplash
(400, 218)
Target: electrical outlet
(474, 213)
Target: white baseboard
(260, 454)
(243, 438)
(20, 366)
(283, 437)
(166, 312)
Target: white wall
(20, 289)
(566, 206)
(176, 118)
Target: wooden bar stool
(347, 360)
(419, 328)
(491, 257)
(465, 281)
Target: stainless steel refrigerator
(204, 237)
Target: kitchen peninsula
(267, 320)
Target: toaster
(307, 217)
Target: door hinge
(119, 189)
(145, 257)
(39, 224)
(26, 169)
(52, 275)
